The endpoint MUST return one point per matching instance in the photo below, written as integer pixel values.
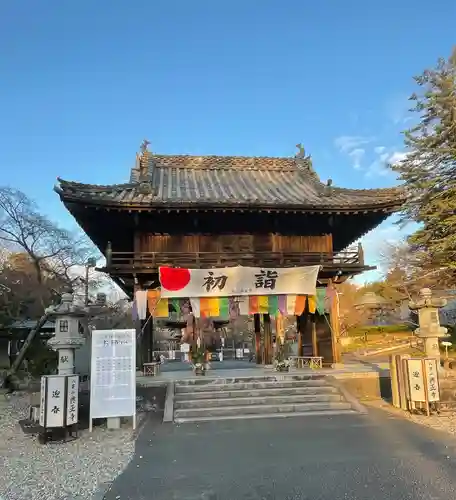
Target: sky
(82, 83)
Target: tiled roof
(227, 181)
(28, 324)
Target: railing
(152, 260)
(312, 362)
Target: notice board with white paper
(113, 374)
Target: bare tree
(21, 295)
(23, 227)
(55, 253)
(351, 316)
(116, 315)
(407, 270)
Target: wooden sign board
(423, 380)
(59, 401)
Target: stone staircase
(266, 397)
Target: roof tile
(228, 180)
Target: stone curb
(355, 404)
(168, 414)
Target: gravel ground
(445, 422)
(74, 470)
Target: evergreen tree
(429, 169)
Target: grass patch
(404, 329)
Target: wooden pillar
(360, 254)
(151, 337)
(300, 333)
(314, 337)
(197, 332)
(280, 329)
(138, 327)
(146, 340)
(257, 329)
(335, 328)
(267, 339)
(108, 254)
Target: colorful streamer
(321, 294)
(312, 304)
(214, 307)
(162, 309)
(296, 304)
(232, 307)
(153, 297)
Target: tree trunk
(20, 357)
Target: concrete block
(113, 423)
(168, 414)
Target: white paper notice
(113, 374)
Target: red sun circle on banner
(173, 279)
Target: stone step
(259, 409)
(249, 401)
(217, 385)
(220, 393)
(311, 413)
(204, 380)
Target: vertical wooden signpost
(423, 382)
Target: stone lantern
(429, 324)
(67, 337)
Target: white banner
(417, 388)
(113, 374)
(72, 406)
(423, 379)
(237, 281)
(54, 398)
(432, 379)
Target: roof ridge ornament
(144, 175)
(304, 163)
(328, 187)
(144, 146)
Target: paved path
(373, 457)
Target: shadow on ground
(373, 456)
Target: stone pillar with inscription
(67, 337)
(429, 324)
